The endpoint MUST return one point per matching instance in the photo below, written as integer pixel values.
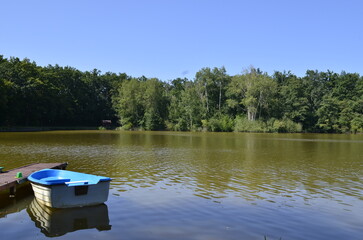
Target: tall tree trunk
(206, 97)
(220, 97)
(251, 114)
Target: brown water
(169, 185)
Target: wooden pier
(10, 179)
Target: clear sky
(176, 38)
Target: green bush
(286, 126)
(126, 126)
(180, 125)
(356, 124)
(242, 124)
(219, 123)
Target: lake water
(169, 185)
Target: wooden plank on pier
(8, 179)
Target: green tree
(328, 114)
(128, 103)
(155, 105)
(212, 85)
(176, 120)
(254, 90)
(186, 107)
(346, 86)
(292, 97)
(193, 107)
(4, 85)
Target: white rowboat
(65, 189)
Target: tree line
(253, 101)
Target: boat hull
(64, 196)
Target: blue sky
(169, 38)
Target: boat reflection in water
(57, 222)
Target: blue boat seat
(56, 180)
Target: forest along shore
(253, 101)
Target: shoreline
(43, 129)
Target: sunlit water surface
(169, 185)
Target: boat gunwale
(69, 181)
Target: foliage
(294, 102)
(219, 123)
(31, 95)
(286, 126)
(212, 85)
(253, 90)
(242, 124)
(186, 108)
(53, 95)
(141, 103)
